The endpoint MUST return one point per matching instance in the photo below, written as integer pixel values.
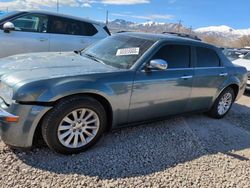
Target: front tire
(74, 125)
(223, 104)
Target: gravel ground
(184, 151)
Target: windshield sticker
(128, 51)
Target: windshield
(119, 51)
(247, 56)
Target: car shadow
(151, 148)
(247, 93)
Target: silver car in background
(39, 31)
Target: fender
(116, 91)
(232, 80)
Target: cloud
(86, 5)
(147, 17)
(125, 2)
(38, 4)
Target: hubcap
(78, 128)
(225, 103)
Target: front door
(158, 93)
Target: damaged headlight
(6, 93)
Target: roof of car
(64, 15)
(166, 37)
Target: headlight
(6, 93)
(248, 74)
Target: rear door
(30, 35)
(209, 75)
(69, 35)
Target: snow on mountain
(223, 30)
(150, 23)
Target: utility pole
(107, 17)
(179, 26)
(57, 6)
(190, 30)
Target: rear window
(71, 27)
(207, 57)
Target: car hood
(243, 62)
(38, 66)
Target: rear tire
(222, 104)
(74, 125)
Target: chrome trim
(187, 77)
(209, 67)
(190, 68)
(158, 64)
(170, 69)
(223, 74)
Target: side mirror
(158, 64)
(8, 26)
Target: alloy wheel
(225, 103)
(78, 128)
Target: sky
(192, 13)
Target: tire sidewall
(214, 111)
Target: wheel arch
(234, 86)
(101, 99)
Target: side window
(88, 29)
(177, 56)
(31, 23)
(65, 26)
(71, 27)
(207, 57)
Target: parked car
(39, 31)
(72, 98)
(233, 54)
(245, 62)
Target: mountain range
(223, 30)
(221, 35)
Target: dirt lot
(184, 151)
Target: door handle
(224, 74)
(186, 77)
(43, 39)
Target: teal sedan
(72, 98)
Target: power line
(57, 5)
(190, 30)
(107, 17)
(179, 25)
